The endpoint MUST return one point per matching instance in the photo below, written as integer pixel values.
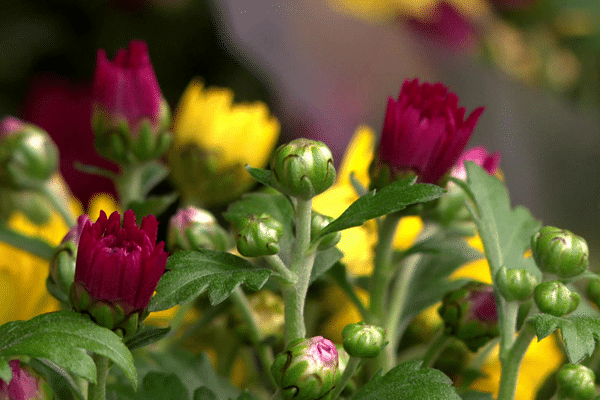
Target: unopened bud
(24, 385)
(576, 382)
(258, 235)
(515, 284)
(362, 340)
(318, 223)
(302, 168)
(555, 298)
(560, 252)
(192, 228)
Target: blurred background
(327, 66)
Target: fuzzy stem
(59, 202)
(512, 362)
(278, 266)
(435, 349)
(129, 184)
(294, 295)
(351, 367)
(97, 391)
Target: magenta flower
(481, 157)
(117, 268)
(424, 131)
(23, 385)
(126, 88)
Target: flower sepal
(560, 252)
(362, 340)
(258, 235)
(555, 298)
(317, 224)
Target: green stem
(97, 391)
(382, 267)
(351, 368)
(35, 246)
(397, 308)
(294, 296)
(129, 184)
(278, 266)
(60, 203)
(507, 319)
(264, 352)
(435, 349)
(512, 362)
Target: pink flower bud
(23, 385)
(10, 125)
(481, 157)
(424, 133)
(117, 268)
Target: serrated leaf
(260, 175)
(579, 334)
(5, 370)
(191, 273)
(163, 386)
(154, 205)
(59, 336)
(408, 381)
(394, 197)
(505, 232)
(324, 261)
(146, 335)
(62, 383)
(204, 393)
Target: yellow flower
(388, 10)
(214, 139)
(357, 243)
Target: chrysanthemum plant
(250, 284)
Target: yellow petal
(358, 157)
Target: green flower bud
(576, 382)
(28, 156)
(258, 235)
(470, 314)
(593, 291)
(555, 298)
(560, 252)
(307, 369)
(515, 284)
(194, 229)
(302, 168)
(318, 223)
(362, 340)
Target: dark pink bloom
(481, 157)
(126, 88)
(22, 386)
(424, 131)
(63, 108)
(483, 305)
(120, 265)
(74, 234)
(446, 27)
(10, 125)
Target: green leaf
(393, 197)
(61, 382)
(579, 334)
(475, 395)
(440, 256)
(33, 245)
(154, 172)
(324, 261)
(261, 175)
(59, 336)
(408, 381)
(163, 386)
(204, 393)
(5, 370)
(146, 335)
(191, 273)
(505, 232)
(154, 205)
(95, 170)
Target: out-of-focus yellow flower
(214, 139)
(357, 243)
(388, 10)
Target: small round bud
(470, 314)
(593, 291)
(560, 252)
(192, 228)
(576, 382)
(62, 264)
(302, 168)
(258, 235)
(28, 156)
(318, 223)
(25, 384)
(515, 284)
(362, 340)
(307, 369)
(555, 298)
